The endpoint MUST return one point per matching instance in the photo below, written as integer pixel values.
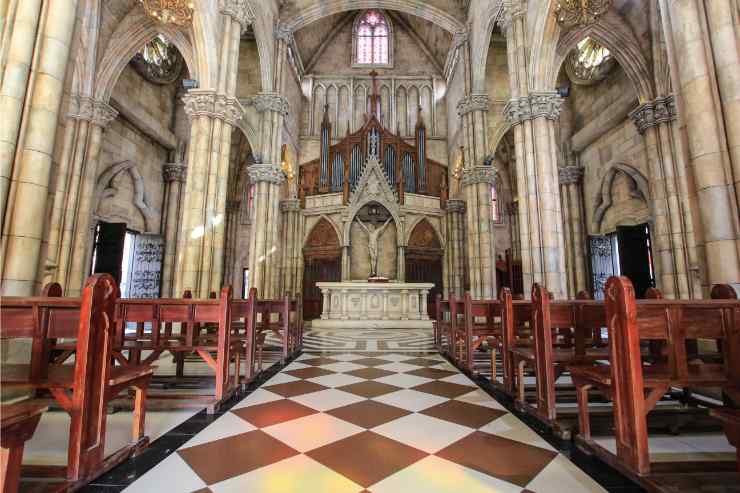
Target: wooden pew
(453, 311)
(83, 388)
(635, 386)
(517, 334)
(203, 327)
(481, 323)
(17, 424)
(243, 320)
(441, 321)
(563, 333)
(730, 417)
(283, 318)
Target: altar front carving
(364, 305)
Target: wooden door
(424, 260)
(322, 262)
(635, 257)
(108, 249)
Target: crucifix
(373, 233)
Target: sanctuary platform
(364, 305)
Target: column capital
(174, 172)
(459, 38)
(269, 101)
(517, 110)
(239, 10)
(652, 113)
(266, 172)
(290, 205)
(511, 11)
(472, 102)
(570, 174)
(92, 110)
(206, 102)
(284, 32)
(479, 174)
(455, 205)
(538, 104)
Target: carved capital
(455, 206)
(266, 172)
(284, 33)
(290, 205)
(271, 102)
(174, 172)
(92, 110)
(547, 104)
(473, 102)
(517, 110)
(239, 10)
(459, 38)
(570, 174)
(208, 103)
(479, 174)
(652, 113)
(512, 10)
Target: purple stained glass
(372, 38)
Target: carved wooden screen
(322, 259)
(424, 260)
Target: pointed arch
(424, 235)
(323, 237)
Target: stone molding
(652, 113)
(512, 10)
(283, 32)
(479, 174)
(570, 174)
(290, 205)
(459, 38)
(536, 105)
(205, 102)
(456, 205)
(266, 172)
(472, 102)
(174, 172)
(239, 10)
(92, 110)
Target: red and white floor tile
(380, 422)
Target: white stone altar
(363, 305)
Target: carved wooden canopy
(323, 241)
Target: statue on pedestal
(373, 233)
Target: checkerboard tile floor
(382, 422)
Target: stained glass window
(372, 39)
(495, 209)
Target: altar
(363, 305)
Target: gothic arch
(323, 227)
(419, 8)
(132, 33)
(104, 188)
(424, 235)
(481, 41)
(640, 189)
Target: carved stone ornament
(479, 174)
(539, 104)
(284, 33)
(266, 172)
(239, 10)
(456, 206)
(87, 108)
(272, 102)
(473, 102)
(290, 205)
(660, 110)
(459, 38)
(204, 102)
(512, 10)
(174, 172)
(570, 174)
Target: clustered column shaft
(571, 193)
(455, 251)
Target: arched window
(372, 40)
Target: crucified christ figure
(373, 233)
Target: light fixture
(178, 12)
(571, 13)
(284, 165)
(457, 171)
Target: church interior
(370, 246)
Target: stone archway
(106, 189)
(321, 263)
(638, 188)
(424, 260)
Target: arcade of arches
(263, 143)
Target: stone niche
(387, 244)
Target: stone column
(200, 255)
(401, 263)
(673, 238)
(540, 215)
(455, 248)
(423, 304)
(326, 304)
(30, 96)
(77, 241)
(292, 242)
(346, 268)
(174, 176)
(571, 193)
(479, 242)
(703, 50)
(264, 249)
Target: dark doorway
(424, 261)
(321, 263)
(635, 257)
(108, 249)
